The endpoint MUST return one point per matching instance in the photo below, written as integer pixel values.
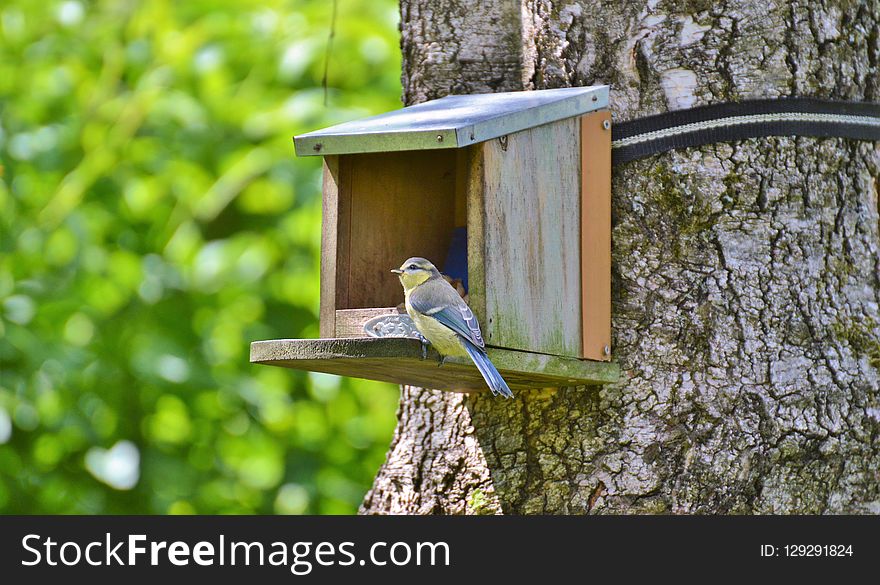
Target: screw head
(606, 350)
(318, 147)
(606, 124)
(439, 138)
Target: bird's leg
(441, 360)
(424, 341)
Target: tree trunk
(746, 279)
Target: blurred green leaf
(153, 221)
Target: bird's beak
(397, 271)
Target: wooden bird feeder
(509, 192)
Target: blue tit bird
(442, 316)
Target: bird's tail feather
(496, 383)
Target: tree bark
(746, 275)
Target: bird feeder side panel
(331, 272)
(524, 239)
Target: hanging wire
(328, 51)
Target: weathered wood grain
(596, 234)
(528, 237)
(350, 322)
(400, 361)
(471, 172)
(329, 246)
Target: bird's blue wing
(439, 300)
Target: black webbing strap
(643, 137)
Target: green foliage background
(153, 222)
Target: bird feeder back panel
(379, 209)
(390, 206)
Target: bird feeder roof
(453, 122)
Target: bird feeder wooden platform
(511, 193)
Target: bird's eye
(412, 267)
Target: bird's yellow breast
(441, 337)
